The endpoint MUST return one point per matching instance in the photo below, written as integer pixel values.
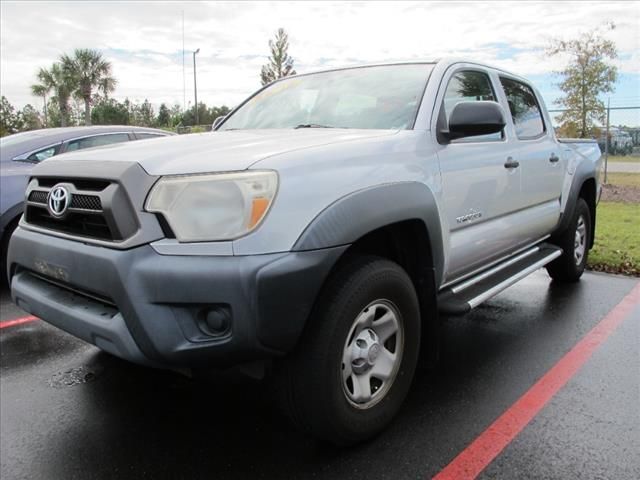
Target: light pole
(195, 85)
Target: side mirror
(469, 119)
(218, 121)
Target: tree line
(104, 111)
(75, 91)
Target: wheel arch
(584, 186)
(399, 222)
(384, 208)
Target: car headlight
(213, 206)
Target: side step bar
(460, 298)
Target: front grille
(103, 211)
(86, 216)
(74, 223)
(79, 201)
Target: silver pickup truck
(316, 235)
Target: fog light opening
(216, 321)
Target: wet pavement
(69, 411)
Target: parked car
(316, 234)
(20, 152)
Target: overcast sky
(143, 40)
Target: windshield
(383, 97)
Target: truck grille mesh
(79, 201)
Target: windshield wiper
(311, 125)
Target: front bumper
(149, 308)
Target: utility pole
(606, 141)
(184, 82)
(195, 85)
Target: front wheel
(574, 242)
(354, 365)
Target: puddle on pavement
(74, 376)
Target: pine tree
(164, 116)
(280, 62)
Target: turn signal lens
(258, 210)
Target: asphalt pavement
(69, 411)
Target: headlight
(213, 206)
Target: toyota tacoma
(315, 236)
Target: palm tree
(90, 71)
(40, 90)
(57, 81)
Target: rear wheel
(575, 242)
(354, 365)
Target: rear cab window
(469, 86)
(525, 109)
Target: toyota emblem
(58, 201)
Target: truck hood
(217, 151)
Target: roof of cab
(445, 62)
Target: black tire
(310, 381)
(566, 268)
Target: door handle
(511, 163)
(554, 158)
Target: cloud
(144, 40)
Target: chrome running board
(460, 298)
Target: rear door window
(96, 141)
(524, 107)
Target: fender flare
(363, 211)
(584, 172)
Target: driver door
(479, 188)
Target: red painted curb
(481, 452)
(17, 321)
